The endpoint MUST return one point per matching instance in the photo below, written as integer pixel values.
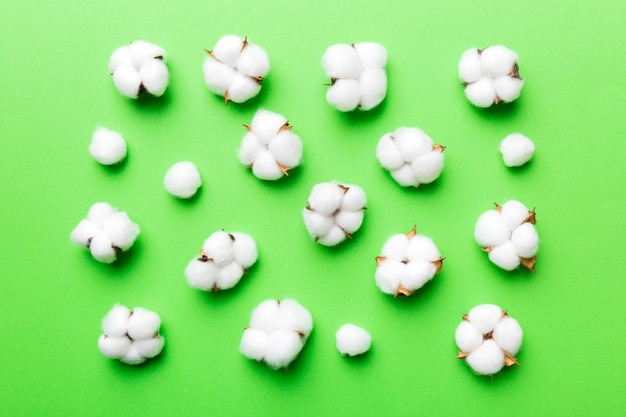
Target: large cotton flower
(139, 68)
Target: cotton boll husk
(352, 340)
(470, 69)
(202, 275)
(388, 275)
(481, 93)
(508, 335)
(513, 213)
(508, 88)
(149, 348)
(504, 256)
(354, 199)
(412, 142)
(121, 230)
(427, 168)
(217, 76)
(249, 149)
(467, 337)
(317, 224)
(101, 248)
(228, 49)
(497, 60)
(525, 240)
(154, 77)
(219, 248)
(388, 153)
(182, 179)
(293, 316)
(107, 147)
(114, 347)
(371, 54)
(341, 61)
(404, 176)
(334, 236)
(100, 212)
(284, 348)
(142, 52)
(373, 88)
(265, 316)
(243, 88)
(516, 149)
(133, 357)
(115, 323)
(487, 359)
(349, 221)
(265, 166)
(253, 61)
(83, 232)
(229, 275)
(127, 80)
(491, 229)
(254, 343)
(286, 148)
(143, 324)
(245, 249)
(422, 248)
(344, 95)
(120, 56)
(325, 198)
(396, 247)
(484, 317)
(417, 273)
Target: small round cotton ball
(107, 147)
(516, 149)
(352, 340)
(182, 179)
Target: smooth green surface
(55, 89)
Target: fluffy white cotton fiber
(334, 211)
(357, 73)
(235, 68)
(516, 149)
(132, 336)
(223, 260)
(139, 68)
(270, 148)
(352, 340)
(107, 147)
(488, 339)
(105, 231)
(490, 75)
(182, 180)
(277, 332)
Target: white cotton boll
(470, 69)
(217, 76)
(155, 77)
(253, 61)
(481, 93)
(317, 224)
(127, 80)
(254, 343)
(412, 142)
(491, 230)
(114, 347)
(243, 88)
(417, 273)
(115, 323)
(344, 94)
(266, 124)
(396, 247)
(388, 154)
(513, 213)
(265, 167)
(219, 248)
(422, 248)
(100, 212)
(484, 317)
(182, 179)
(107, 147)
(228, 49)
(516, 149)
(373, 88)
(487, 359)
(265, 316)
(353, 199)
(334, 236)
(467, 337)
(404, 176)
(120, 56)
(133, 357)
(121, 230)
(388, 275)
(428, 167)
(83, 232)
(349, 221)
(142, 52)
(352, 340)
(508, 88)
(326, 197)
(497, 60)
(149, 348)
(284, 348)
(286, 148)
(508, 335)
(201, 275)
(371, 54)
(249, 149)
(504, 256)
(102, 249)
(229, 275)
(143, 324)
(525, 240)
(293, 316)
(246, 252)
(341, 61)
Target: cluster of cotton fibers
(139, 68)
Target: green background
(55, 89)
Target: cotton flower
(516, 149)
(357, 73)
(490, 75)
(508, 235)
(488, 339)
(139, 68)
(107, 147)
(222, 262)
(410, 156)
(235, 68)
(277, 332)
(132, 336)
(105, 231)
(408, 261)
(334, 212)
(352, 340)
(182, 179)
(270, 148)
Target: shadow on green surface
(149, 103)
(502, 111)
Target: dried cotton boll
(410, 156)
(107, 147)
(277, 332)
(490, 75)
(222, 262)
(143, 324)
(182, 180)
(139, 68)
(235, 68)
(516, 149)
(352, 340)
